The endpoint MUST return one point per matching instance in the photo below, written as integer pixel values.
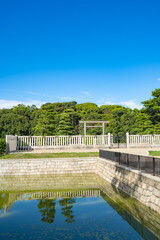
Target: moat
(72, 206)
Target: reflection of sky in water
(6, 215)
(87, 214)
(79, 218)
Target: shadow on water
(143, 219)
(139, 227)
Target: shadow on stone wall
(126, 181)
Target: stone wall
(47, 166)
(143, 187)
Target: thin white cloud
(86, 93)
(130, 104)
(108, 99)
(38, 94)
(80, 98)
(158, 79)
(105, 101)
(10, 103)
(67, 98)
(110, 103)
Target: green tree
(108, 111)
(87, 108)
(144, 124)
(16, 121)
(46, 121)
(152, 106)
(14, 124)
(157, 128)
(2, 146)
(60, 107)
(65, 124)
(124, 120)
(63, 118)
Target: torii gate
(95, 122)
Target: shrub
(2, 146)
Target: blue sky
(101, 51)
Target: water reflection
(60, 200)
(47, 210)
(67, 205)
(4, 201)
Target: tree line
(63, 118)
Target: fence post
(11, 143)
(103, 139)
(109, 140)
(127, 160)
(154, 166)
(152, 140)
(7, 145)
(127, 140)
(94, 141)
(119, 158)
(139, 163)
(29, 142)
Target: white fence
(98, 141)
(28, 142)
(143, 140)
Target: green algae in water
(71, 207)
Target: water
(71, 207)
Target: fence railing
(144, 140)
(143, 163)
(28, 142)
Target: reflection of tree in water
(47, 209)
(3, 199)
(67, 204)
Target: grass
(50, 155)
(154, 153)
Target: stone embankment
(141, 186)
(47, 166)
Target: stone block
(156, 192)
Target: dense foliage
(63, 118)
(2, 146)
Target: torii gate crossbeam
(95, 122)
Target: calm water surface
(71, 207)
